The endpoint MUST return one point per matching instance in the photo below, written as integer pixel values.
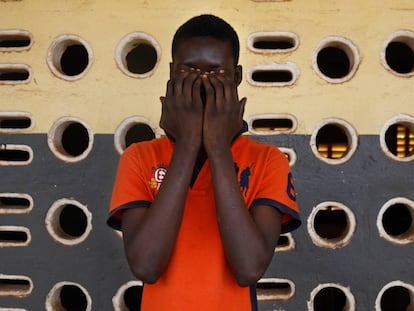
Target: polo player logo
(245, 178)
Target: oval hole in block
(273, 289)
(272, 42)
(273, 75)
(15, 121)
(280, 125)
(15, 154)
(271, 124)
(15, 203)
(14, 73)
(14, 236)
(15, 285)
(15, 40)
(285, 243)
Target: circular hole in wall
(336, 59)
(138, 132)
(398, 53)
(68, 296)
(333, 297)
(138, 54)
(395, 296)
(128, 297)
(395, 221)
(334, 141)
(70, 139)
(132, 130)
(69, 57)
(68, 222)
(331, 225)
(397, 138)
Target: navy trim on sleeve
(293, 224)
(253, 297)
(115, 223)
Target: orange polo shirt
(198, 276)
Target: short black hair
(208, 25)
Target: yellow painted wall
(106, 96)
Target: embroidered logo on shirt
(244, 177)
(159, 174)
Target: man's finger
(218, 89)
(196, 92)
(210, 96)
(188, 84)
(178, 82)
(228, 87)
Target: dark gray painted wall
(364, 184)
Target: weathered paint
(105, 96)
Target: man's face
(205, 54)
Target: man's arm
(149, 234)
(249, 237)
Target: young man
(201, 209)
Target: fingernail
(182, 70)
(192, 69)
(212, 72)
(221, 71)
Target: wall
(61, 134)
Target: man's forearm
(244, 244)
(151, 241)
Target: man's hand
(223, 115)
(182, 109)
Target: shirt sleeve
(277, 189)
(130, 189)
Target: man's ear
(238, 75)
